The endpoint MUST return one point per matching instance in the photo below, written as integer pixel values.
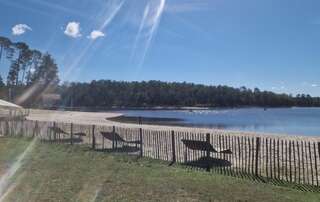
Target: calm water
(297, 121)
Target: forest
(107, 93)
(32, 74)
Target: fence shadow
(221, 166)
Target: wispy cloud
(188, 6)
(148, 27)
(96, 34)
(115, 7)
(24, 7)
(278, 88)
(308, 84)
(58, 7)
(20, 29)
(73, 30)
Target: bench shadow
(64, 140)
(205, 163)
(123, 149)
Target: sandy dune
(89, 118)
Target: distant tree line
(107, 93)
(29, 71)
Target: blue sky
(270, 44)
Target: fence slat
(93, 138)
(257, 155)
(173, 149)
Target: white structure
(8, 109)
(8, 105)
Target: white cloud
(96, 34)
(73, 29)
(314, 85)
(20, 29)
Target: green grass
(75, 173)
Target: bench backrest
(112, 136)
(198, 145)
(57, 130)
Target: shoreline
(115, 108)
(162, 122)
(101, 118)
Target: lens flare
(5, 186)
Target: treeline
(107, 93)
(29, 71)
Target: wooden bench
(204, 146)
(58, 131)
(199, 145)
(115, 138)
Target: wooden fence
(281, 158)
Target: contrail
(142, 24)
(5, 179)
(149, 24)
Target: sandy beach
(100, 118)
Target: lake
(295, 121)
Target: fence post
(54, 132)
(257, 155)
(7, 129)
(141, 142)
(315, 163)
(319, 149)
(71, 133)
(208, 151)
(35, 131)
(113, 136)
(173, 144)
(93, 138)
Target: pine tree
(13, 73)
(1, 82)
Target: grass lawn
(75, 173)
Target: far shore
(118, 108)
(106, 119)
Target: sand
(100, 118)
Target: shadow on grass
(214, 165)
(123, 149)
(63, 141)
(208, 163)
(223, 167)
